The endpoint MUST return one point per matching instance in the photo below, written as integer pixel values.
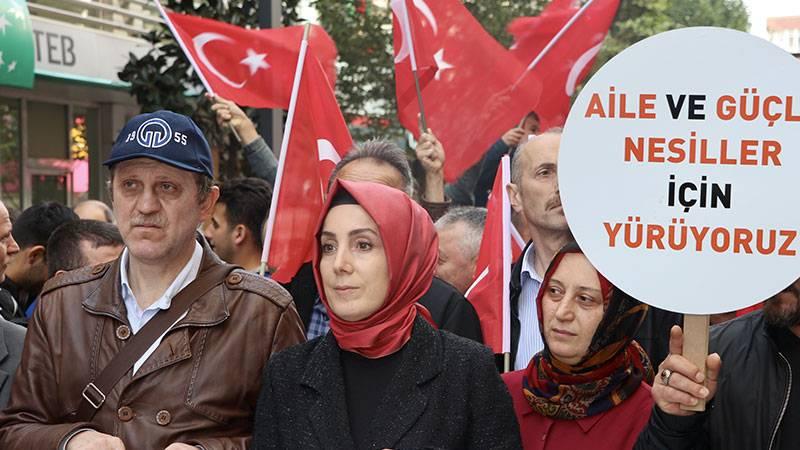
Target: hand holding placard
(686, 384)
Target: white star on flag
(255, 61)
(12, 66)
(3, 23)
(442, 65)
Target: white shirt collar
(527, 265)
(184, 277)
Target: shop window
(47, 130)
(10, 154)
(84, 149)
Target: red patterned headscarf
(411, 246)
(610, 372)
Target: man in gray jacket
(11, 336)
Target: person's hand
(679, 382)
(179, 446)
(430, 153)
(514, 136)
(94, 440)
(228, 113)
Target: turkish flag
(570, 59)
(470, 99)
(250, 67)
(490, 290)
(412, 53)
(317, 139)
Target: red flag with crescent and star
(249, 67)
(468, 80)
(569, 59)
(317, 138)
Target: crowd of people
(147, 326)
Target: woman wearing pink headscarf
(383, 377)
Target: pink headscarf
(411, 246)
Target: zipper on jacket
(785, 403)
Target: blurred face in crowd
(353, 266)
(531, 125)
(221, 235)
(535, 194)
(370, 169)
(572, 308)
(100, 254)
(91, 210)
(783, 310)
(455, 265)
(158, 208)
(8, 246)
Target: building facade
(785, 33)
(55, 134)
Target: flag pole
(555, 39)
(186, 52)
(287, 134)
(506, 243)
(413, 57)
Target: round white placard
(679, 170)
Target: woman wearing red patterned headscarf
(383, 377)
(588, 387)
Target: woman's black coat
(446, 394)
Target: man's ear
(35, 254)
(240, 233)
(207, 205)
(514, 197)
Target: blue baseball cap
(165, 136)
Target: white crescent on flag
(399, 8)
(199, 42)
(577, 68)
(327, 152)
(426, 11)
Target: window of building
(10, 154)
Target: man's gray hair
(381, 150)
(475, 220)
(516, 160)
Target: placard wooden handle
(695, 348)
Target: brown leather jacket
(199, 387)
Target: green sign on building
(16, 44)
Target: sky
(761, 9)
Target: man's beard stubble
(778, 315)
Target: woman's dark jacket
(751, 395)
(446, 394)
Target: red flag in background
(250, 67)
(471, 98)
(411, 49)
(315, 139)
(567, 62)
(531, 34)
(490, 290)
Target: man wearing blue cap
(164, 347)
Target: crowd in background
(393, 354)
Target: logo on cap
(154, 133)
